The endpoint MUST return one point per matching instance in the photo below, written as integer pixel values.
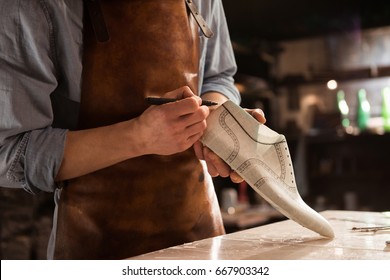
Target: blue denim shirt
(40, 77)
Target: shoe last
(262, 158)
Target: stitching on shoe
(230, 132)
(243, 166)
(259, 183)
(254, 139)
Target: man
(127, 180)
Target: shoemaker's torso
(150, 202)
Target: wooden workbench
(288, 240)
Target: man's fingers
(258, 114)
(198, 148)
(236, 178)
(199, 116)
(222, 168)
(215, 165)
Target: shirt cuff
(224, 86)
(42, 159)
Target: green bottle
(363, 110)
(386, 108)
(343, 108)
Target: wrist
(134, 143)
(215, 96)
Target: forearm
(89, 150)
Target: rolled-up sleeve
(219, 61)
(31, 150)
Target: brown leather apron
(150, 202)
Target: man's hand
(215, 165)
(173, 127)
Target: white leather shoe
(261, 157)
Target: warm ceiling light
(332, 84)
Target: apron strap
(97, 20)
(199, 19)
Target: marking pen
(163, 100)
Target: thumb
(186, 92)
